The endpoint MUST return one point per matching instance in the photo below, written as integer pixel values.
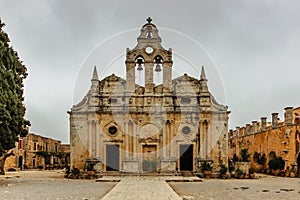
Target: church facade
(167, 128)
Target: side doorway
(112, 157)
(186, 157)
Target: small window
(112, 130)
(297, 120)
(186, 130)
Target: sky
(250, 50)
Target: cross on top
(149, 20)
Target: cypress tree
(12, 109)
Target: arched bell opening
(139, 70)
(158, 69)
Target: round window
(112, 130)
(186, 130)
(149, 50)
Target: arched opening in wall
(20, 162)
(298, 162)
(297, 139)
(272, 155)
(140, 71)
(256, 157)
(297, 119)
(33, 163)
(158, 70)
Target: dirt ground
(268, 187)
(40, 185)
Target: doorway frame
(191, 149)
(107, 168)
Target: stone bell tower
(149, 56)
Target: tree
(12, 109)
(245, 155)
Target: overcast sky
(254, 46)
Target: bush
(251, 171)
(206, 166)
(239, 172)
(261, 159)
(90, 167)
(68, 170)
(223, 169)
(276, 163)
(75, 171)
(245, 155)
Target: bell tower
(149, 56)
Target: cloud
(255, 45)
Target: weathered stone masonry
(122, 126)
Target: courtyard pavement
(40, 185)
(144, 188)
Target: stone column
(126, 140)
(94, 141)
(288, 115)
(168, 140)
(247, 129)
(130, 76)
(204, 139)
(167, 77)
(172, 144)
(97, 141)
(207, 140)
(254, 127)
(230, 133)
(274, 120)
(164, 146)
(149, 77)
(90, 138)
(263, 123)
(237, 134)
(238, 130)
(133, 144)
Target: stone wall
(26, 148)
(279, 137)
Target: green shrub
(245, 155)
(206, 166)
(276, 163)
(75, 171)
(223, 169)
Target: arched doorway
(298, 162)
(20, 162)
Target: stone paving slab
(143, 188)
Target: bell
(157, 68)
(139, 62)
(140, 68)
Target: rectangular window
(20, 144)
